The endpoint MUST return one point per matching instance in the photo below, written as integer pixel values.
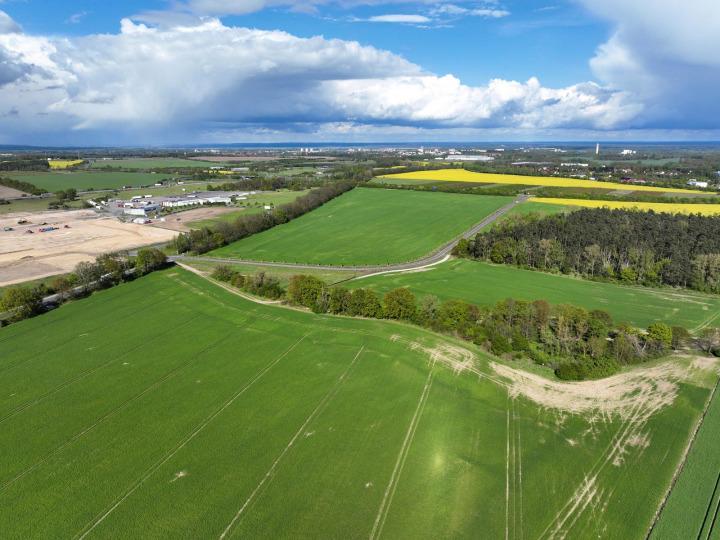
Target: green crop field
(169, 407)
(482, 283)
(81, 180)
(153, 163)
(693, 508)
(368, 226)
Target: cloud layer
(665, 54)
(172, 84)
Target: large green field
(82, 180)
(153, 163)
(482, 283)
(368, 226)
(169, 407)
(693, 508)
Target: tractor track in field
(439, 255)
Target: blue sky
(356, 69)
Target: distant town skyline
(209, 71)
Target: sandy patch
(10, 193)
(179, 222)
(25, 256)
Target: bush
(399, 304)
(223, 273)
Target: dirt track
(25, 256)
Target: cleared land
(668, 208)
(693, 508)
(368, 226)
(254, 204)
(461, 175)
(10, 193)
(85, 180)
(25, 256)
(483, 284)
(152, 163)
(169, 407)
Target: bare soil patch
(25, 256)
(178, 222)
(10, 193)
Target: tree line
(25, 187)
(574, 342)
(209, 238)
(630, 246)
(107, 270)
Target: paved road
(435, 257)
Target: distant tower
(597, 149)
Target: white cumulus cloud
(178, 83)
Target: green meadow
(693, 508)
(153, 163)
(169, 407)
(368, 226)
(483, 284)
(87, 180)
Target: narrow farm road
(439, 255)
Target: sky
(154, 72)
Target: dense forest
(576, 343)
(629, 246)
(207, 239)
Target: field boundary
(432, 258)
(683, 461)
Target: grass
(168, 407)
(34, 205)
(694, 503)
(368, 226)
(485, 284)
(86, 180)
(254, 204)
(154, 163)
(668, 208)
(461, 175)
(283, 274)
(528, 207)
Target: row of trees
(107, 270)
(259, 284)
(575, 342)
(25, 187)
(207, 239)
(626, 245)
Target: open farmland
(85, 180)
(368, 226)
(484, 284)
(169, 407)
(152, 163)
(668, 208)
(693, 508)
(461, 175)
(64, 163)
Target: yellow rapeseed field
(461, 175)
(669, 208)
(64, 163)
